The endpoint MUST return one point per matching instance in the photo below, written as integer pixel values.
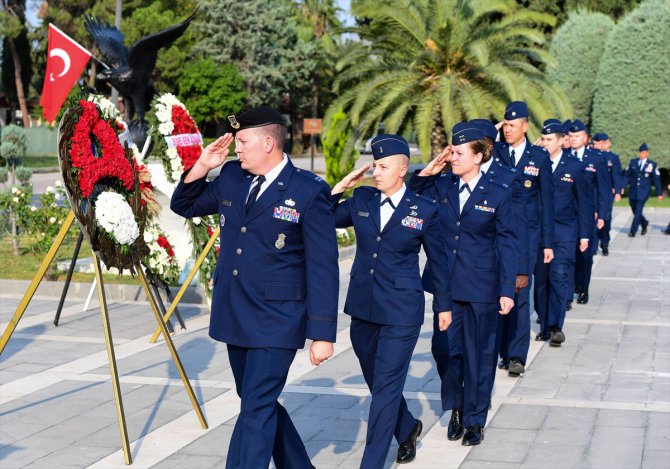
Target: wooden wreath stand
(106, 325)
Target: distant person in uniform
(602, 142)
(573, 214)
(477, 217)
(385, 298)
(638, 178)
(276, 282)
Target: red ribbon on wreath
(184, 124)
(111, 163)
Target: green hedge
(578, 46)
(632, 92)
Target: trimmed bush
(632, 91)
(578, 46)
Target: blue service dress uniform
(275, 284)
(483, 267)
(535, 168)
(573, 213)
(615, 179)
(597, 176)
(386, 303)
(639, 177)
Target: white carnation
(15, 199)
(116, 217)
(49, 189)
(14, 190)
(195, 220)
(52, 220)
(166, 128)
(58, 184)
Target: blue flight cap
(516, 110)
(486, 126)
(389, 144)
(600, 137)
(465, 132)
(566, 126)
(644, 147)
(578, 126)
(552, 126)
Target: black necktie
(463, 187)
(389, 201)
(576, 155)
(253, 194)
(513, 157)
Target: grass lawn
(36, 162)
(651, 202)
(25, 265)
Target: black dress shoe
(644, 229)
(407, 449)
(667, 231)
(543, 336)
(537, 320)
(516, 368)
(631, 235)
(503, 364)
(583, 298)
(569, 307)
(606, 249)
(473, 436)
(557, 338)
(455, 429)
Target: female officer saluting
(478, 222)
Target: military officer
(602, 142)
(638, 178)
(573, 221)
(478, 219)
(533, 162)
(276, 281)
(597, 176)
(385, 298)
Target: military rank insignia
(566, 178)
(413, 222)
(281, 241)
(484, 208)
(531, 170)
(233, 122)
(286, 214)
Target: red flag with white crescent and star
(65, 61)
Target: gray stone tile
(621, 418)
(519, 417)
(503, 445)
(550, 454)
(616, 447)
(656, 459)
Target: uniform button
(243, 229)
(372, 271)
(235, 273)
(456, 237)
(454, 251)
(374, 255)
(238, 251)
(379, 238)
(458, 223)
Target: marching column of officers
(505, 212)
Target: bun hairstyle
(481, 146)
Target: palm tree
(423, 65)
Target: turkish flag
(65, 61)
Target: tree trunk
(19, 84)
(438, 137)
(94, 72)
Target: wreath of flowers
(102, 183)
(161, 259)
(177, 140)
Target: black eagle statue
(131, 71)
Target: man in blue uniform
(573, 222)
(385, 298)
(276, 282)
(615, 177)
(535, 168)
(638, 177)
(596, 171)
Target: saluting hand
(506, 305)
(444, 320)
(320, 351)
(437, 164)
(350, 180)
(212, 156)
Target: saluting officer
(535, 168)
(602, 142)
(478, 219)
(385, 298)
(596, 174)
(573, 214)
(638, 177)
(276, 280)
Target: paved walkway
(600, 401)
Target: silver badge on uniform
(412, 213)
(289, 202)
(279, 244)
(414, 207)
(222, 220)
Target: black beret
(256, 117)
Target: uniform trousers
(263, 429)
(475, 326)
(604, 233)
(637, 205)
(553, 285)
(584, 263)
(384, 353)
(447, 349)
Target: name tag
(566, 179)
(413, 222)
(484, 208)
(531, 170)
(286, 214)
(363, 214)
(591, 168)
(227, 203)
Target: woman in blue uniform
(477, 218)
(385, 298)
